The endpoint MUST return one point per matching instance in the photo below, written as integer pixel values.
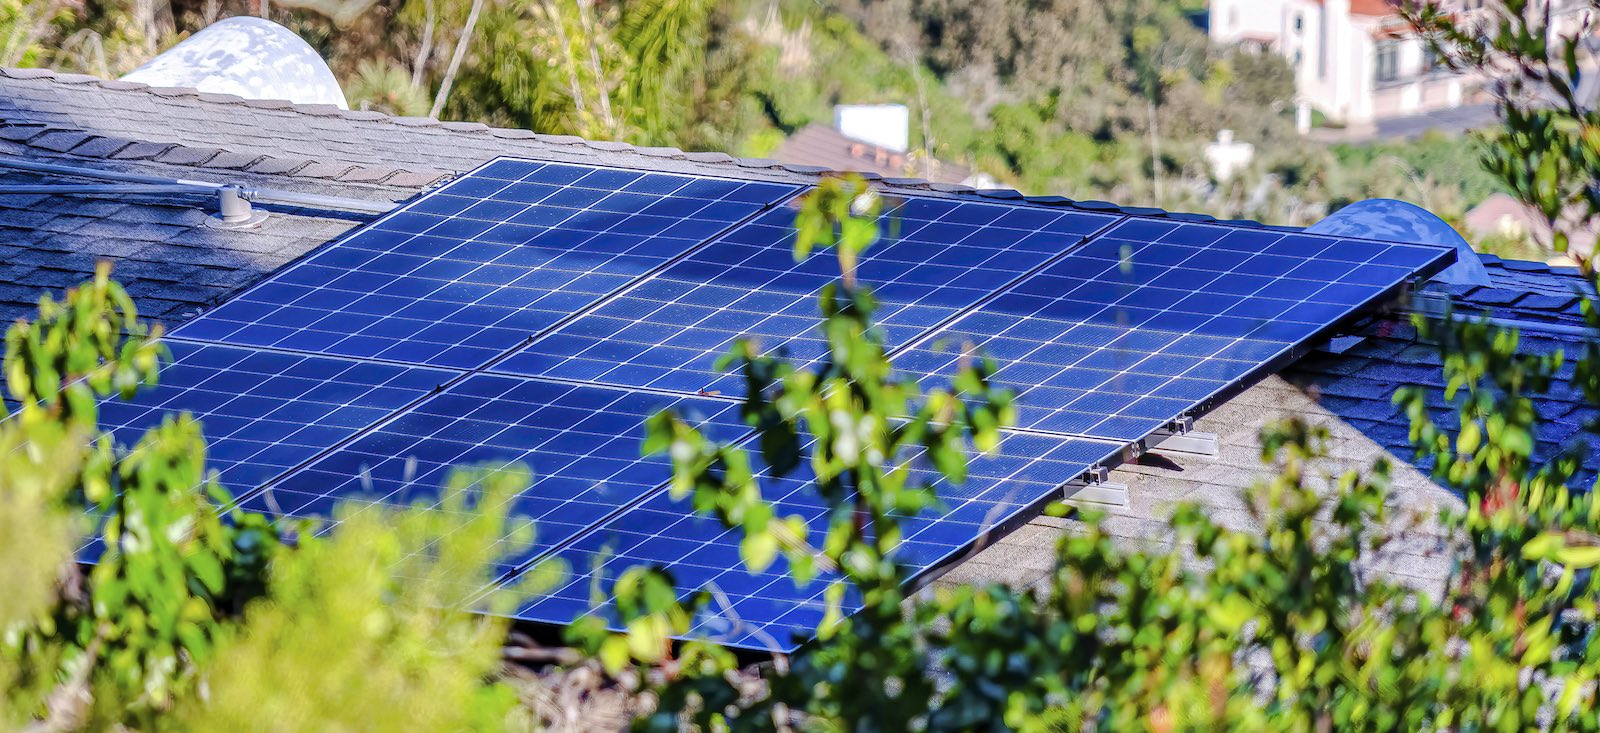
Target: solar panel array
(471, 270)
(937, 259)
(264, 412)
(581, 442)
(538, 313)
(767, 610)
(1153, 318)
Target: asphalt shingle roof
(175, 267)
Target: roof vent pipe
(234, 210)
(1397, 221)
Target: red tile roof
(1373, 7)
(824, 146)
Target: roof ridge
(61, 140)
(712, 159)
(328, 110)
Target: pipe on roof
(315, 201)
(98, 173)
(1560, 329)
(111, 189)
(258, 195)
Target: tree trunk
(420, 65)
(1155, 154)
(455, 59)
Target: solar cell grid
(581, 442)
(937, 257)
(1108, 336)
(262, 413)
(766, 610)
(462, 274)
(1147, 321)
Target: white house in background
(1354, 60)
(1357, 60)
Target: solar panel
(464, 273)
(581, 442)
(630, 284)
(1155, 318)
(937, 258)
(264, 412)
(767, 610)
(261, 412)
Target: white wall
(1231, 21)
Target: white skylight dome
(251, 57)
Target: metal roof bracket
(1092, 490)
(1180, 439)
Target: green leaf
(758, 550)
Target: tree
(1531, 55)
(203, 618)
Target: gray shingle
(60, 141)
(187, 156)
(142, 151)
(21, 133)
(277, 166)
(233, 161)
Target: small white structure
(250, 57)
(887, 126)
(1227, 157)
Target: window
(1299, 22)
(1388, 61)
(1233, 17)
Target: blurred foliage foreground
(202, 618)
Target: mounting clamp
(1180, 439)
(1092, 489)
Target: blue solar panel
(937, 258)
(1154, 318)
(631, 284)
(263, 413)
(464, 273)
(766, 610)
(582, 443)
